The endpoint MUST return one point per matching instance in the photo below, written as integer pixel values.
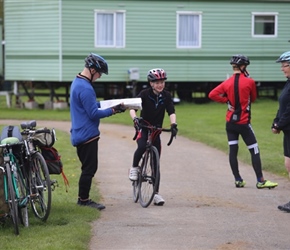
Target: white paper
(130, 103)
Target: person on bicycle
(281, 121)
(85, 120)
(238, 92)
(155, 101)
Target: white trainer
(133, 174)
(158, 200)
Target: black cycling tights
(255, 157)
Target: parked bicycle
(15, 190)
(37, 174)
(144, 188)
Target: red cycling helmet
(156, 74)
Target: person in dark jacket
(85, 120)
(282, 120)
(238, 92)
(155, 101)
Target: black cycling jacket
(154, 106)
(282, 118)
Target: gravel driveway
(203, 209)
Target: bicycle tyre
(40, 187)
(149, 176)
(13, 209)
(23, 199)
(135, 185)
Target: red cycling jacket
(238, 92)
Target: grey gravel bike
(37, 174)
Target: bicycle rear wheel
(12, 200)
(149, 177)
(23, 199)
(40, 187)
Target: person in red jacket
(238, 92)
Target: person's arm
(218, 94)
(254, 92)
(133, 113)
(172, 118)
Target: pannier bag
(53, 161)
(44, 137)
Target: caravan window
(109, 29)
(188, 30)
(264, 24)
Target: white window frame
(273, 14)
(193, 13)
(114, 43)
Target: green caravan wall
(151, 39)
(1, 51)
(52, 45)
(32, 40)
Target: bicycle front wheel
(12, 200)
(135, 185)
(149, 176)
(40, 187)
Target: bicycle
(15, 190)
(144, 188)
(37, 174)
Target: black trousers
(88, 156)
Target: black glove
(274, 125)
(174, 129)
(137, 121)
(119, 108)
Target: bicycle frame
(14, 186)
(38, 179)
(149, 175)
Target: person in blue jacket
(282, 120)
(85, 120)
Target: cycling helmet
(285, 57)
(96, 62)
(240, 60)
(156, 74)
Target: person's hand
(230, 107)
(136, 122)
(275, 129)
(174, 129)
(120, 108)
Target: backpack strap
(10, 131)
(65, 180)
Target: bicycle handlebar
(150, 127)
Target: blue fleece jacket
(85, 112)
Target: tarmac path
(203, 209)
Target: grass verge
(65, 228)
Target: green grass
(68, 227)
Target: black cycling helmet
(240, 60)
(96, 62)
(156, 74)
(285, 57)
